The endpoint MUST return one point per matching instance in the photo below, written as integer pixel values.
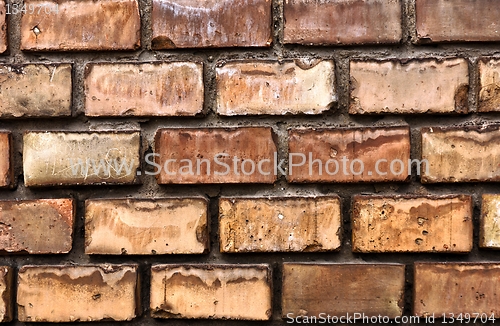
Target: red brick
(457, 20)
(211, 291)
(81, 25)
(342, 22)
(367, 145)
(216, 23)
(341, 289)
(6, 292)
(489, 85)
(249, 144)
(3, 27)
(42, 226)
(263, 87)
(6, 169)
(438, 86)
(148, 89)
(456, 288)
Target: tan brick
(188, 150)
(455, 288)
(146, 226)
(489, 85)
(211, 291)
(73, 158)
(3, 27)
(215, 23)
(6, 169)
(35, 90)
(412, 224)
(457, 20)
(80, 25)
(342, 22)
(438, 86)
(42, 226)
(279, 224)
(77, 293)
(148, 89)
(489, 224)
(341, 289)
(461, 154)
(6, 292)
(330, 148)
(261, 87)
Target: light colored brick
(188, 150)
(144, 226)
(412, 224)
(77, 293)
(6, 171)
(461, 154)
(80, 25)
(342, 22)
(214, 23)
(456, 288)
(42, 226)
(437, 86)
(3, 27)
(330, 148)
(279, 224)
(148, 89)
(262, 87)
(341, 289)
(211, 291)
(73, 158)
(6, 292)
(489, 85)
(35, 90)
(489, 224)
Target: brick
(42, 226)
(3, 27)
(489, 224)
(74, 158)
(148, 89)
(261, 87)
(448, 151)
(189, 150)
(455, 288)
(412, 224)
(145, 226)
(216, 23)
(342, 22)
(341, 289)
(457, 20)
(330, 148)
(35, 90)
(6, 169)
(280, 224)
(6, 292)
(438, 86)
(489, 85)
(77, 293)
(74, 25)
(211, 291)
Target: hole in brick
(419, 241)
(36, 30)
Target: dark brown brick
(6, 169)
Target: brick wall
(185, 159)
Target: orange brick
(148, 89)
(412, 224)
(489, 85)
(80, 25)
(3, 27)
(6, 292)
(6, 169)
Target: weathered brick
(77, 293)
(279, 224)
(412, 224)
(146, 226)
(73, 158)
(35, 90)
(489, 85)
(260, 87)
(461, 154)
(148, 89)
(80, 25)
(183, 155)
(438, 86)
(42, 226)
(310, 149)
(6, 170)
(457, 20)
(342, 22)
(455, 288)
(3, 27)
(6, 292)
(215, 23)
(489, 224)
(211, 291)
(341, 289)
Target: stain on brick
(489, 85)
